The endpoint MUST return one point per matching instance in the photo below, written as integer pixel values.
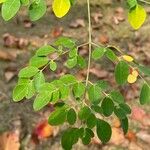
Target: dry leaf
(117, 136)
(8, 55)
(9, 141)
(77, 23)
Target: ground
(19, 39)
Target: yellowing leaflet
(137, 16)
(61, 7)
(127, 58)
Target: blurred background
(21, 127)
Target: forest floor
(19, 38)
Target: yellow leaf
(127, 58)
(131, 78)
(61, 7)
(137, 16)
(135, 73)
(2, 1)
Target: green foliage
(103, 130)
(37, 9)
(145, 94)
(121, 72)
(80, 103)
(10, 8)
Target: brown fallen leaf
(8, 55)
(28, 24)
(77, 23)
(97, 16)
(14, 42)
(9, 75)
(9, 141)
(104, 39)
(144, 135)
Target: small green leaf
(78, 90)
(73, 52)
(94, 93)
(131, 3)
(98, 53)
(91, 121)
(68, 79)
(111, 55)
(121, 72)
(97, 109)
(19, 92)
(10, 8)
(23, 81)
(41, 100)
(71, 116)
(107, 106)
(137, 16)
(84, 113)
(124, 125)
(45, 50)
(120, 113)
(28, 72)
(69, 138)
(37, 10)
(86, 139)
(58, 117)
(103, 130)
(65, 42)
(31, 90)
(71, 62)
(126, 108)
(53, 65)
(81, 62)
(117, 97)
(104, 85)
(145, 94)
(38, 61)
(38, 80)
(55, 96)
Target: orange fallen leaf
(43, 130)
(131, 136)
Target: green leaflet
(28, 72)
(121, 72)
(98, 53)
(45, 50)
(94, 93)
(53, 65)
(69, 138)
(38, 80)
(145, 94)
(65, 42)
(19, 92)
(103, 130)
(107, 106)
(58, 116)
(38, 61)
(10, 8)
(84, 113)
(71, 116)
(37, 10)
(78, 90)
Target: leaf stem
(144, 1)
(90, 41)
